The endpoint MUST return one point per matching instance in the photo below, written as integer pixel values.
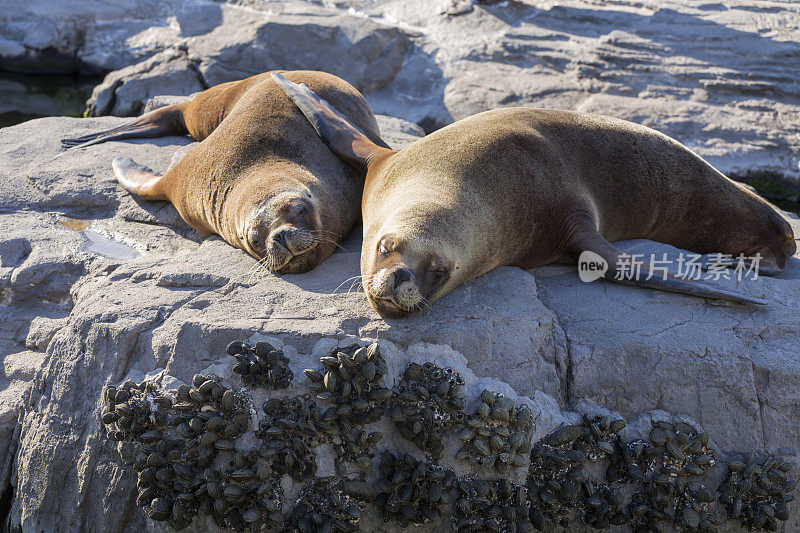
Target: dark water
(27, 96)
(780, 190)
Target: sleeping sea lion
(260, 177)
(527, 187)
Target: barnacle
(427, 405)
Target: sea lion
(260, 177)
(527, 187)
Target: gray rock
(719, 78)
(73, 320)
(92, 36)
(125, 91)
(219, 43)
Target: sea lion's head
(284, 232)
(411, 261)
(772, 242)
(769, 241)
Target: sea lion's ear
(344, 138)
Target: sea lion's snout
(780, 245)
(400, 276)
(290, 239)
(394, 292)
(284, 235)
(404, 280)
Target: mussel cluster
(498, 434)
(670, 465)
(427, 405)
(603, 505)
(129, 415)
(328, 505)
(350, 384)
(261, 365)
(351, 380)
(557, 483)
(413, 491)
(694, 508)
(290, 431)
(243, 494)
(191, 461)
(185, 456)
(757, 492)
(491, 506)
(651, 486)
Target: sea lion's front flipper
(627, 270)
(138, 179)
(344, 138)
(158, 123)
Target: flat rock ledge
(98, 288)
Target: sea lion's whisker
(318, 239)
(360, 281)
(332, 233)
(345, 281)
(257, 268)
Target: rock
(716, 77)
(124, 92)
(745, 358)
(91, 37)
(236, 43)
(164, 100)
(719, 78)
(73, 320)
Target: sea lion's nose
(279, 236)
(401, 275)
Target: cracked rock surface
(721, 77)
(98, 287)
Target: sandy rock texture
(720, 77)
(97, 287)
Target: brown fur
(520, 186)
(256, 145)
(528, 187)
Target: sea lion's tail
(157, 123)
(138, 179)
(344, 138)
(627, 270)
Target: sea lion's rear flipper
(344, 138)
(628, 270)
(138, 179)
(157, 123)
